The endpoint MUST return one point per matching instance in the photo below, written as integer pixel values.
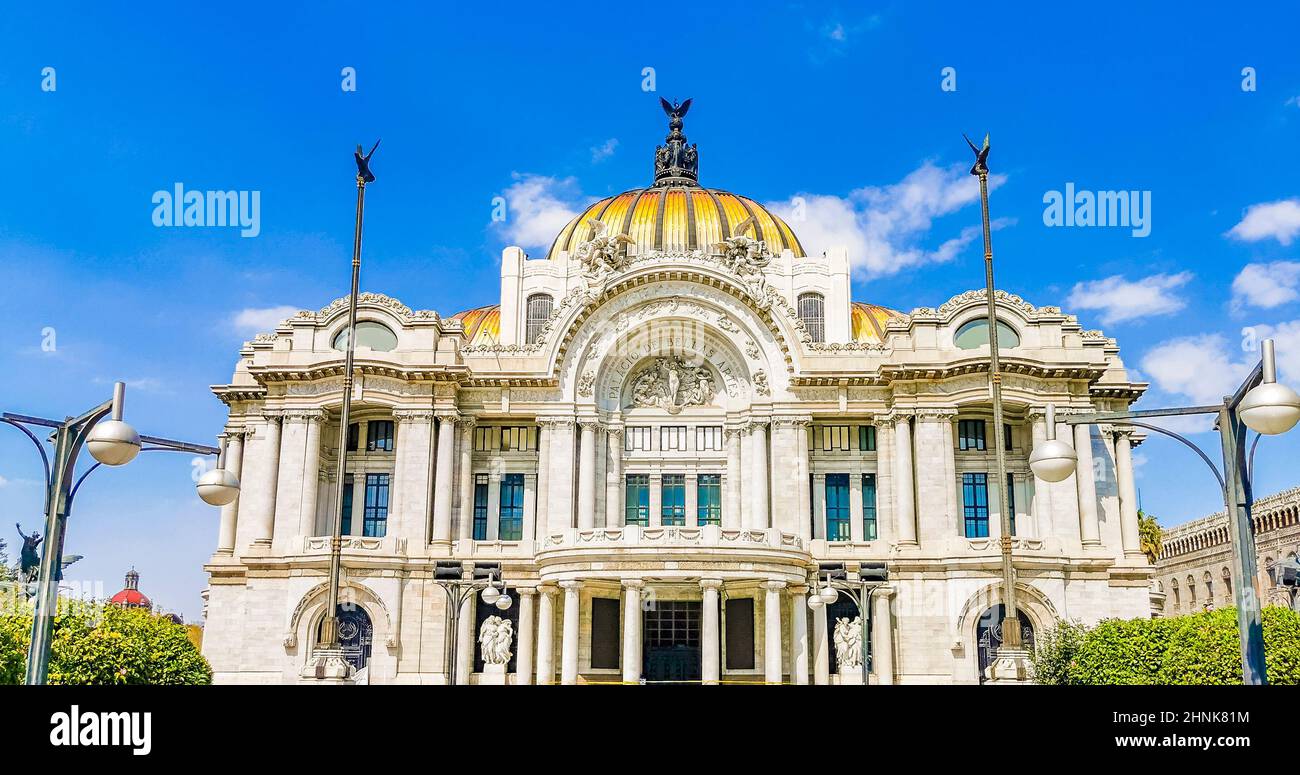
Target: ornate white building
(660, 432)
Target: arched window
(812, 311)
(376, 336)
(539, 311)
(355, 634)
(975, 334)
(1209, 586)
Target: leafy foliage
(1150, 536)
(1200, 649)
(97, 644)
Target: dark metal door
(355, 635)
(671, 633)
(988, 634)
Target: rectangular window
(480, 506)
(672, 438)
(673, 500)
(347, 505)
(379, 436)
(837, 507)
(708, 438)
(866, 438)
(376, 514)
(975, 504)
(708, 499)
(510, 526)
(835, 438)
(353, 431)
(1011, 501)
(636, 439)
(869, 507)
(1006, 437)
(637, 500)
(970, 434)
(519, 438)
(604, 632)
(740, 633)
(487, 438)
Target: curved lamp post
(460, 583)
(870, 576)
(1264, 406)
(111, 442)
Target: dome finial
(676, 163)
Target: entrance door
(988, 634)
(355, 634)
(671, 632)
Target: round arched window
(975, 334)
(376, 336)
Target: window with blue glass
(673, 500)
(970, 435)
(511, 526)
(347, 505)
(480, 506)
(975, 504)
(637, 500)
(869, 507)
(708, 499)
(379, 436)
(837, 507)
(866, 438)
(375, 524)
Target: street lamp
(460, 583)
(111, 442)
(870, 575)
(1053, 460)
(1268, 408)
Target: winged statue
(604, 252)
(981, 156)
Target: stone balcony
(672, 553)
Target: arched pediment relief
(669, 382)
(700, 323)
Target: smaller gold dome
(868, 321)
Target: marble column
(546, 635)
(1086, 483)
(632, 630)
(465, 469)
(772, 661)
(882, 631)
(758, 485)
(412, 482)
(572, 621)
(527, 629)
(799, 635)
(444, 487)
(587, 475)
(311, 476)
(803, 503)
(559, 504)
(710, 633)
(1128, 512)
(731, 506)
(904, 482)
(230, 512)
(543, 476)
(291, 482)
(614, 507)
(821, 651)
(465, 642)
(259, 498)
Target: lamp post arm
(45, 459)
(178, 446)
(1213, 468)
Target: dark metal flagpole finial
(981, 156)
(363, 164)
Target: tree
(96, 644)
(6, 573)
(1150, 536)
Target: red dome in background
(130, 596)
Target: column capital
(633, 583)
(591, 424)
(526, 591)
(413, 415)
(774, 586)
(791, 422)
(614, 431)
(557, 422)
(735, 431)
(303, 415)
(941, 413)
(797, 590)
(568, 584)
(757, 424)
(882, 592)
(549, 590)
(237, 432)
(714, 584)
(894, 416)
(1122, 431)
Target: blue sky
(840, 105)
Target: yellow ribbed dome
(677, 219)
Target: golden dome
(868, 321)
(677, 218)
(482, 324)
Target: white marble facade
(749, 435)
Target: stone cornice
(413, 415)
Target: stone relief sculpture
(747, 257)
(671, 384)
(760, 384)
(586, 384)
(603, 254)
(848, 642)
(494, 639)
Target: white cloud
(1279, 220)
(256, 320)
(3, 482)
(1266, 285)
(603, 151)
(1119, 299)
(537, 208)
(883, 227)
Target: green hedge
(96, 644)
(1200, 649)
